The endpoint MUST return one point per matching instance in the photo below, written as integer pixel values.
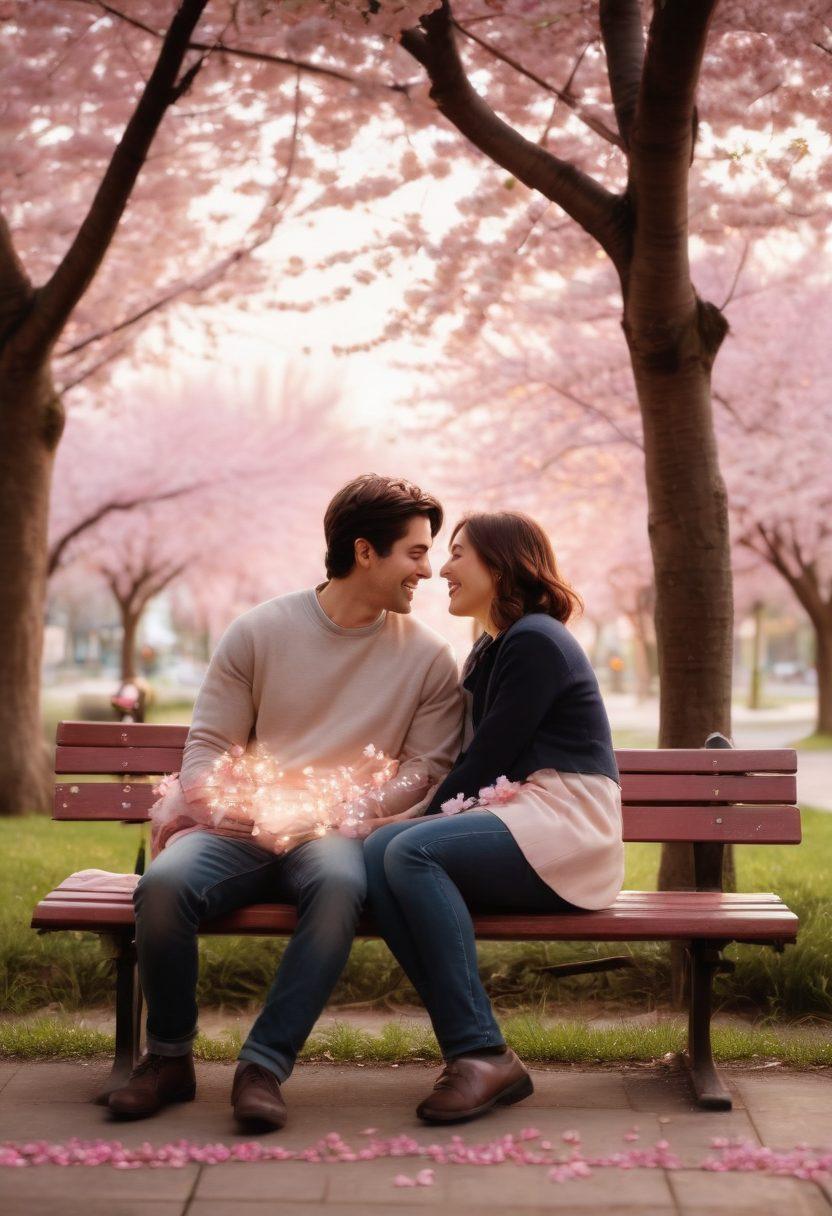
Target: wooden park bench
(709, 797)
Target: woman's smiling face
(471, 585)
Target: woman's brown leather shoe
(470, 1085)
(156, 1081)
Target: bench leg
(703, 961)
(128, 1014)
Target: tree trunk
(31, 422)
(688, 527)
(643, 646)
(823, 666)
(129, 634)
(641, 663)
(755, 691)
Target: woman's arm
(531, 672)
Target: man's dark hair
(378, 509)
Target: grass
(70, 970)
(814, 743)
(58, 705)
(566, 1042)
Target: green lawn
(70, 970)
(570, 1041)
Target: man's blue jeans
(423, 875)
(201, 876)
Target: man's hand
(362, 828)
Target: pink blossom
(458, 803)
(500, 792)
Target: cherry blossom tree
(633, 199)
(620, 172)
(776, 419)
(217, 488)
(121, 127)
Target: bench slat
(630, 760)
(104, 800)
(142, 760)
(124, 884)
(707, 760)
(86, 883)
(635, 916)
(738, 825)
(664, 787)
(731, 824)
(121, 734)
(130, 803)
(635, 788)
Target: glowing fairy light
(251, 787)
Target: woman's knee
(374, 847)
(403, 852)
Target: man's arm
(224, 713)
(431, 744)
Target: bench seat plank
(635, 916)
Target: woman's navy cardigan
(536, 704)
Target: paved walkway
(772, 1107)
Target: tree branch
(58, 549)
(214, 273)
(580, 196)
(16, 290)
(623, 38)
(593, 121)
(595, 411)
(661, 139)
(740, 267)
(55, 301)
(240, 52)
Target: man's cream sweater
(285, 675)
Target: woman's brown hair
(519, 554)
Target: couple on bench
(505, 797)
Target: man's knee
(337, 875)
(162, 893)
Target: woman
(537, 718)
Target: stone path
(776, 1108)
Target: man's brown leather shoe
(256, 1096)
(155, 1082)
(470, 1085)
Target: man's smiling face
(397, 575)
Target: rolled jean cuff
(266, 1059)
(179, 1047)
(473, 1042)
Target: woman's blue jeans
(201, 876)
(423, 876)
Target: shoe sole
(184, 1095)
(522, 1088)
(259, 1123)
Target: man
(316, 676)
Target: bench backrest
(689, 795)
